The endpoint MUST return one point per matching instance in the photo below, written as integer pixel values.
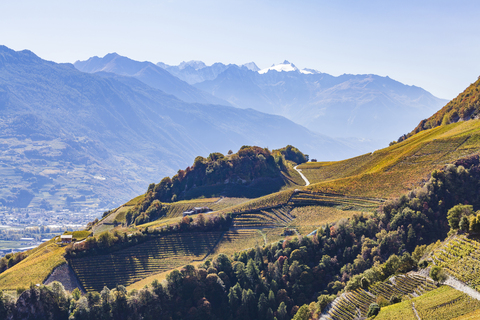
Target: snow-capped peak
(285, 66)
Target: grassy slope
(394, 170)
(38, 265)
(310, 218)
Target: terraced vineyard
(351, 305)
(137, 262)
(460, 257)
(443, 303)
(239, 239)
(272, 218)
(310, 218)
(329, 200)
(276, 199)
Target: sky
(431, 44)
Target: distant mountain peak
(195, 64)
(286, 66)
(111, 55)
(251, 66)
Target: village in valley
(23, 229)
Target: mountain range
(364, 111)
(75, 139)
(365, 107)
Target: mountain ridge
(148, 73)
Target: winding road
(301, 174)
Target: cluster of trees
(147, 211)
(247, 164)
(423, 214)
(117, 239)
(293, 154)
(11, 259)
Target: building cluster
(196, 210)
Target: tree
(364, 283)
(262, 306)
(282, 311)
(455, 214)
(303, 313)
(76, 294)
(437, 274)
(464, 224)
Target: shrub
(437, 274)
(373, 310)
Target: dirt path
(415, 311)
(301, 174)
(460, 286)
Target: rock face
(66, 276)
(41, 303)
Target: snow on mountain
(251, 66)
(285, 66)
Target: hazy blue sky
(432, 44)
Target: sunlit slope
(39, 264)
(442, 303)
(401, 167)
